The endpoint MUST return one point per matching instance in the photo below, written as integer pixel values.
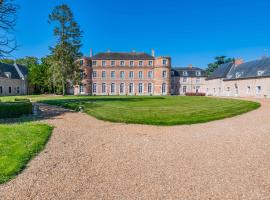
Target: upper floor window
(112, 63)
(185, 73)
(122, 74)
(112, 74)
(164, 74)
(131, 63)
(131, 74)
(94, 74)
(140, 74)
(103, 74)
(81, 74)
(81, 62)
(198, 80)
(184, 79)
(164, 62)
(150, 63)
(150, 74)
(198, 73)
(122, 63)
(140, 63)
(94, 63)
(103, 63)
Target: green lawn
(18, 144)
(171, 110)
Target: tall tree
(219, 60)
(67, 50)
(8, 17)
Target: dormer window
(260, 73)
(185, 73)
(8, 74)
(198, 73)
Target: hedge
(15, 109)
(195, 94)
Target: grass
(18, 144)
(171, 110)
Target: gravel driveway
(91, 159)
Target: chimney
(238, 61)
(108, 51)
(153, 52)
(190, 66)
(91, 52)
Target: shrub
(195, 94)
(15, 109)
(22, 100)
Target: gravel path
(91, 159)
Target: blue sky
(190, 31)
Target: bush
(22, 100)
(195, 94)
(15, 109)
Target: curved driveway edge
(91, 159)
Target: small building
(187, 80)
(125, 73)
(249, 79)
(13, 79)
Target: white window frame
(114, 88)
(94, 63)
(150, 72)
(164, 62)
(131, 61)
(151, 88)
(140, 74)
(122, 63)
(81, 89)
(94, 88)
(131, 92)
(112, 73)
(122, 92)
(185, 73)
(113, 61)
(198, 73)
(102, 87)
(164, 74)
(94, 75)
(164, 89)
(103, 63)
(122, 73)
(150, 62)
(140, 88)
(140, 63)
(131, 72)
(103, 74)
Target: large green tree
(219, 60)
(67, 49)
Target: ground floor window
(197, 89)
(140, 88)
(131, 88)
(150, 88)
(163, 88)
(258, 90)
(248, 89)
(112, 88)
(184, 89)
(1, 90)
(94, 88)
(122, 88)
(9, 90)
(18, 90)
(81, 88)
(103, 88)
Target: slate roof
(12, 70)
(252, 69)
(179, 71)
(122, 56)
(221, 71)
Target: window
(184, 89)
(103, 88)
(150, 63)
(81, 88)
(94, 74)
(81, 74)
(122, 74)
(185, 73)
(149, 88)
(18, 90)
(140, 88)
(112, 63)
(198, 80)
(1, 90)
(172, 73)
(198, 73)
(81, 62)
(94, 87)
(103, 63)
(9, 90)
(112, 74)
(8, 74)
(164, 62)
(131, 63)
(94, 63)
(248, 89)
(122, 88)
(163, 89)
(150, 74)
(131, 74)
(140, 75)
(164, 74)
(103, 74)
(214, 90)
(112, 88)
(258, 90)
(197, 89)
(122, 63)
(260, 73)
(140, 63)
(184, 79)
(130, 88)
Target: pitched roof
(23, 69)
(252, 69)
(191, 72)
(8, 68)
(122, 56)
(221, 71)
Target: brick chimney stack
(153, 53)
(190, 66)
(238, 61)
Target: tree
(219, 60)
(67, 50)
(8, 17)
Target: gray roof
(221, 71)
(252, 69)
(122, 56)
(12, 70)
(179, 71)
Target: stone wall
(10, 87)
